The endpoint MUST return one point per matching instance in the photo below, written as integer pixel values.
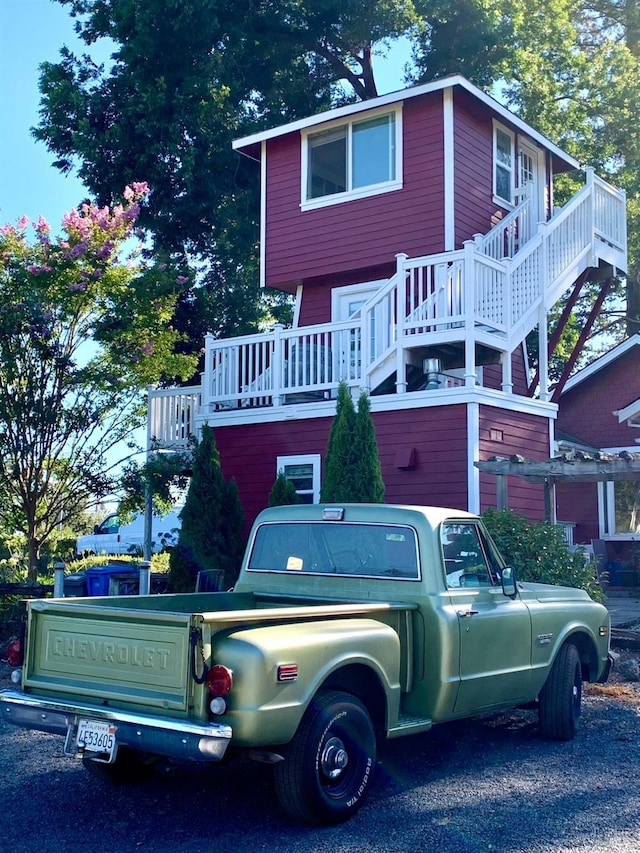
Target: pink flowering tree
(85, 326)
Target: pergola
(573, 467)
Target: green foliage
(162, 474)
(574, 74)
(539, 552)
(283, 492)
(352, 471)
(212, 522)
(187, 78)
(83, 327)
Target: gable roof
(603, 361)
(250, 145)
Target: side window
(304, 473)
(465, 561)
(503, 165)
(109, 525)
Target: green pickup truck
(348, 624)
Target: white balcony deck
(493, 292)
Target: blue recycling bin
(100, 578)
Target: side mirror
(509, 585)
(96, 529)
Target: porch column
(550, 514)
(401, 366)
(277, 360)
(469, 290)
(543, 353)
(507, 380)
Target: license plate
(96, 736)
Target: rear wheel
(561, 697)
(328, 764)
(130, 767)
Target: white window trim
(607, 506)
(347, 290)
(497, 199)
(361, 192)
(312, 459)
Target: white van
(111, 537)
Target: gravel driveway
(489, 784)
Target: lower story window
(304, 473)
(620, 501)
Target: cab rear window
(371, 550)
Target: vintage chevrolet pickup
(347, 624)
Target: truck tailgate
(111, 656)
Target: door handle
(462, 613)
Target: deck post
(401, 289)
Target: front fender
(264, 711)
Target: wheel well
(588, 654)
(362, 682)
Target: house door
(531, 172)
(346, 302)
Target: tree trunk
(33, 553)
(633, 306)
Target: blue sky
(31, 32)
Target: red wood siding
(504, 433)
(492, 374)
(586, 411)
(437, 436)
(578, 502)
(362, 233)
(475, 211)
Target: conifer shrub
(212, 522)
(283, 492)
(352, 472)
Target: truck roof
(362, 512)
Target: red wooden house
(600, 414)
(419, 237)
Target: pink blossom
(128, 193)
(23, 222)
(79, 287)
(7, 229)
(140, 187)
(43, 226)
(162, 267)
(147, 348)
(182, 279)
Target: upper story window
(351, 159)
(503, 165)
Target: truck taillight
(219, 680)
(14, 653)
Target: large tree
(185, 78)
(575, 75)
(82, 331)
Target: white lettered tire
(330, 761)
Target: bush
(283, 492)
(539, 552)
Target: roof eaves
(601, 362)
(248, 142)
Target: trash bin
(110, 579)
(75, 585)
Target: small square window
(304, 473)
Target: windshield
(372, 550)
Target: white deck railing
(494, 287)
(172, 415)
